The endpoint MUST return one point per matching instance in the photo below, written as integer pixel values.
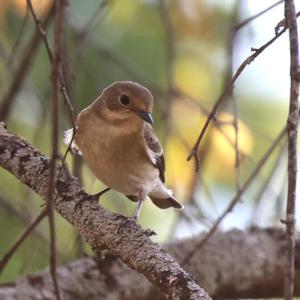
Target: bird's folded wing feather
(154, 150)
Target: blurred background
(185, 52)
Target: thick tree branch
(101, 228)
(235, 264)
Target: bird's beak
(146, 116)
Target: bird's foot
(91, 198)
(133, 219)
(126, 221)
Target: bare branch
(220, 265)
(63, 89)
(229, 87)
(240, 192)
(292, 131)
(250, 19)
(101, 228)
(55, 136)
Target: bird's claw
(133, 218)
(125, 221)
(128, 219)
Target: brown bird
(116, 139)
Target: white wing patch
(68, 134)
(152, 155)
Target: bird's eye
(124, 99)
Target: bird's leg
(94, 197)
(138, 209)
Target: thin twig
(126, 65)
(40, 29)
(6, 257)
(229, 87)
(67, 68)
(63, 89)
(216, 122)
(55, 135)
(292, 130)
(81, 36)
(237, 197)
(133, 71)
(250, 19)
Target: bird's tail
(166, 202)
(163, 197)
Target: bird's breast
(118, 158)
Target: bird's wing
(154, 150)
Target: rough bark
(235, 264)
(99, 227)
(292, 134)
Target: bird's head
(125, 101)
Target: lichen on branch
(99, 227)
